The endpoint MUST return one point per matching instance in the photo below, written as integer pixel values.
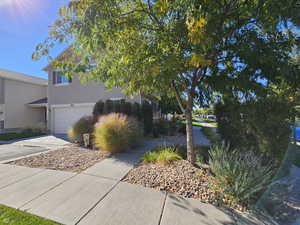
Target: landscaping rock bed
(182, 178)
(179, 177)
(70, 158)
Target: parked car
(297, 133)
(211, 117)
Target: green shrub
(147, 117)
(243, 175)
(98, 108)
(181, 127)
(263, 124)
(163, 155)
(136, 111)
(117, 106)
(82, 126)
(150, 157)
(108, 107)
(116, 132)
(127, 109)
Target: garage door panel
(65, 117)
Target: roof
(11, 75)
(65, 53)
(40, 101)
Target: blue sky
(24, 24)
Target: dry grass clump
(116, 132)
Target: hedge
(262, 124)
(143, 113)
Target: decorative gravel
(179, 177)
(182, 178)
(70, 158)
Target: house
(18, 95)
(69, 99)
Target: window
(60, 79)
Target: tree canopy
(181, 48)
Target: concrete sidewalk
(99, 197)
(28, 146)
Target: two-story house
(70, 99)
(17, 92)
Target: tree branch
(179, 100)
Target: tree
(181, 48)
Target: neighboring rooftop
(7, 74)
(40, 101)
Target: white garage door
(65, 117)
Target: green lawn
(11, 216)
(202, 124)
(205, 123)
(14, 136)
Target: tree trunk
(189, 137)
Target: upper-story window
(59, 79)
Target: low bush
(242, 175)
(82, 126)
(147, 117)
(116, 132)
(163, 155)
(98, 108)
(181, 127)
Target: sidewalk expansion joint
(99, 176)
(109, 191)
(21, 179)
(55, 186)
(163, 208)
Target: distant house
(18, 95)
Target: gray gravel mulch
(70, 158)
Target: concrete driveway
(25, 147)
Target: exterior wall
(1, 91)
(77, 92)
(17, 95)
(1, 116)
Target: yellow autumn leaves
(196, 28)
(163, 5)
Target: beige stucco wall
(1, 112)
(17, 95)
(1, 91)
(77, 92)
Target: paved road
(30, 146)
